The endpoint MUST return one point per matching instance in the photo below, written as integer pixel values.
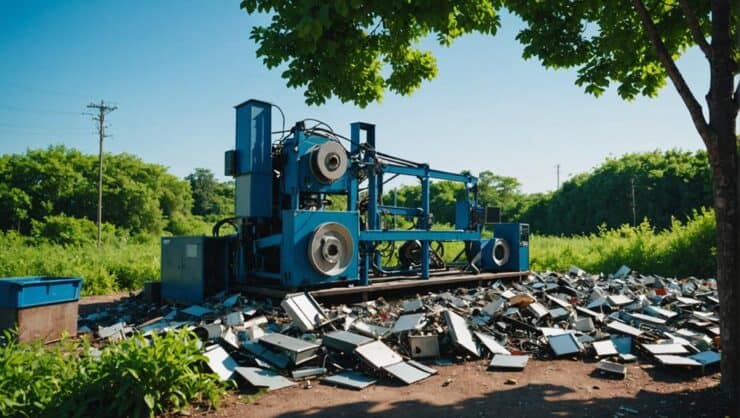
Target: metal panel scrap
(304, 311)
(263, 378)
(460, 333)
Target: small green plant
(137, 377)
(140, 376)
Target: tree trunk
(722, 149)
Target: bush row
(684, 249)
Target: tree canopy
(137, 196)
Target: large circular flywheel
(330, 249)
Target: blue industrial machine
(291, 232)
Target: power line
(41, 90)
(102, 109)
(37, 110)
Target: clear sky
(176, 68)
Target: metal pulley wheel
(329, 161)
(500, 252)
(331, 249)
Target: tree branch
(695, 109)
(695, 29)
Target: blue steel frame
(373, 234)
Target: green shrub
(133, 378)
(120, 264)
(66, 230)
(685, 249)
(34, 379)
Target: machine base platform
(385, 285)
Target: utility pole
(558, 174)
(634, 210)
(102, 109)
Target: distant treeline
(52, 193)
(666, 184)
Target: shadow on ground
(533, 401)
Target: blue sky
(176, 68)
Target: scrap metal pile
(617, 319)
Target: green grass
(684, 249)
(116, 266)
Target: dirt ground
(545, 388)
(569, 388)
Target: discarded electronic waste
(355, 345)
(289, 235)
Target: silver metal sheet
(220, 362)
(596, 315)
(550, 331)
(665, 348)
(560, 302)
(670, 360)
(491, 344)
(612, 368)
(308, 372)
(412, 305)
(604, 348)
(344, 341)
(263, 378)
(624, 328)
(687, 301)
(424, 346)
(422, 367)
(234, 318)
(304, 311)
(406, 323)
(350, 379)
(584, 324)
(618, 300)
(623, 271)
(559, 313)
(406, 373)
(503, 361)
(537, 309)
(370, 330)
(494, 307)
(196, 310)
(648, 318)
(259, 351)
(378, 354)
(460, 333)
(288, 343)
(658, 311)
(564, 344)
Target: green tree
(210, 197)
(139, 197)
(666, 184)
(355, 50)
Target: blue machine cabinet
(517, 237)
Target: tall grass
(118, 265)
(684, 249)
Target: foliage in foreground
(135, 377)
